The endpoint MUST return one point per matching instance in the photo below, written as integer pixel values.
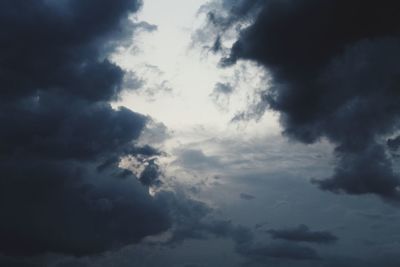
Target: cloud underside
(60, 185)
(334, 68)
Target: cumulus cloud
(151, 175)
(334, 70)
(61, 141)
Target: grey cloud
(152, 174)
(284, 251)
(62, 141)
(303, 234)
(196, 159)
(132, 81)
(143, 25)
(221, 94)
(245, 196)
(394, 143)
(193, 220)
(334, 69)
(223, 88)
(69, 208)
(155, 133)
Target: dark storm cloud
(57, 46)
(193, 220)
(334, 67)
(12, 262)
(146, 150)
(394, 143)
(238, 11)
(55, 127)
(151, 175)
(67, 208)
(61, 141)
(303, 234)
(188, 215)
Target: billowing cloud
(151, 175)
(334, 69)
(61, 141)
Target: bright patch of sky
(179, 78)
(221, 161)
(193, 123)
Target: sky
(199, 133)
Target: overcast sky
(198, 133)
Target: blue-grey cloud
(303, 234)
(245, 196)
(152, 174)
(394, 143)
(284, 251)
(193, 220)
(334, 68)
(223, 88)
(61, 140)
(196, 159)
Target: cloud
(245, 196)
(193, 220)
(221, 94)
(223, 88)
(393, 143)
(303, 234)
(151, 175)
(152, 82)
(145, 26)
(284, 251)
(61, 140)
(334, 69)
(154, 133)
(12, 262)
(196, 159)
(55, 207)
